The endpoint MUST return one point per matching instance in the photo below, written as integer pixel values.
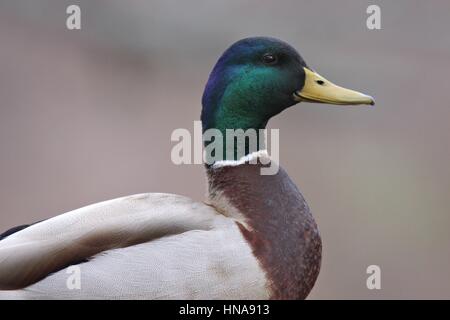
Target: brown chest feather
(281, 230)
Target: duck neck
(230, 136)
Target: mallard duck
(253, 238)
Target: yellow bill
(319, 89)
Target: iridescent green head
(257, 78)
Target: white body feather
(149, 246)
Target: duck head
(257, 78)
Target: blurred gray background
(87, 116)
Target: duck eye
(321, 82)
(269, 58)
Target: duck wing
(35, 252)
(198, 264)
